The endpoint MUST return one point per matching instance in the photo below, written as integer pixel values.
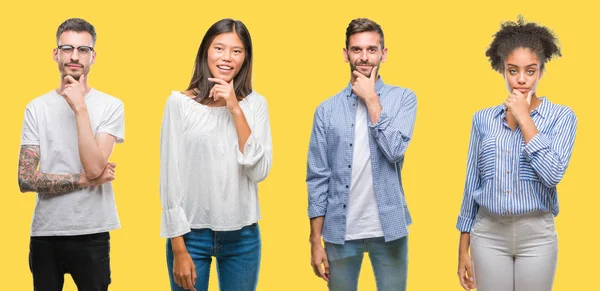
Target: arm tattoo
(30, 180)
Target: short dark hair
(77, 25)
(242, 84)
(359, 25)
(512, 35)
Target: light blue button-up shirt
(331, 151)
(507, 176)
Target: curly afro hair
(513, 35)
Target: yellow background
(435, 48)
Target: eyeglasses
(82, 50)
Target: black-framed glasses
(82, 50)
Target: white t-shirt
(205, 181)
(50, 123)
(362, 218)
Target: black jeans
(85, 257)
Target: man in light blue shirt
(356, 200)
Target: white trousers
(514, 252)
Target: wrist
(80, 109)
(315, 240)
(371, 98)
(372, 103)
(179, 252)
(236, 110)
(523, 118)
(83, 181)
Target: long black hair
(242, 82)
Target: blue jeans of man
(388, 259)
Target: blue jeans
(237, 253)
(389, 261)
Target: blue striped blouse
(507, 176)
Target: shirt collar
(542, 109)
(500, 110)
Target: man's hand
(364, 87)
(107, 175)
(74, 92)
(318, 256)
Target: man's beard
(353, 68)
(75, 75)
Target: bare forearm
(241, 127)
(465, 242)
(178, 245)
(91, 156)
(30, 180)
(316, 228)
(50, 183)
(373, 108)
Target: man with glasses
(71, 132)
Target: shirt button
(507, 171)
(347, 187)
(350, 144)
(507, 191)
(349, 166)
(353, 104)
(352, 124)
(507, 211)
(344, 206)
